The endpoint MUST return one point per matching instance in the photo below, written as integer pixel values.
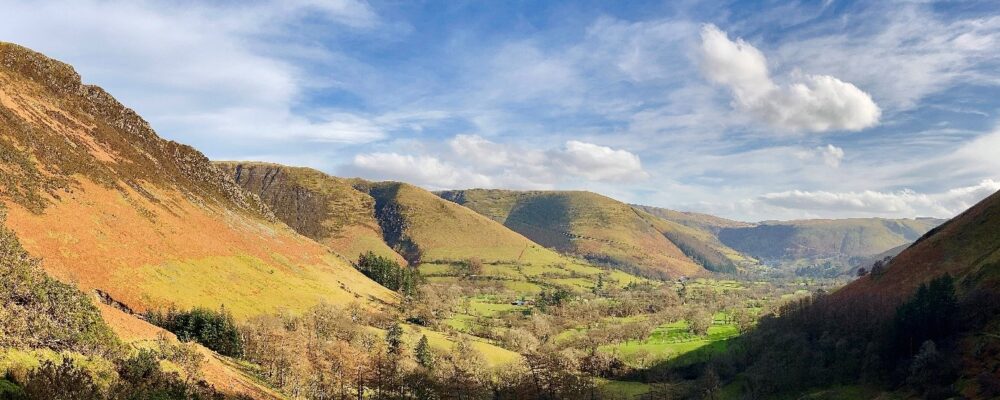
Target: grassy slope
(322, 207)
(111, 206)
(583, 224)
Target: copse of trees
(216, 330)
(389, 273)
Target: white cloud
(426, 171)
(599, 163)
(479, 150)
(830, 154)
(874, 203)
(815, 103)
(474, 161)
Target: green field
(671, 341)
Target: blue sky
(750, 110)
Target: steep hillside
(584, 224)
(967, 247)
(323, 207)
(111, 206)
(922, 327)
(838, 244)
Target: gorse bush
(216, 330)
(37, 311)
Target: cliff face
(91, 188)
(325, 208)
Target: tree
(710, 385)
(862, 272)
(423, 353)
(599, 285)
(698, 321)
(394, 339)
(744, 319)
(474, 266)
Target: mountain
(410, 224)
(323, 207)
(111, 206)
(584, 224)
(832, 246)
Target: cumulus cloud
(474, 161)
(814, 103)
(598, 163)
(904, 202)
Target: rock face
(89, 187)
(325, 208)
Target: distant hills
(829, 247)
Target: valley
(135, 267)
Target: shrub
(59, 382)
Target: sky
(751, 110)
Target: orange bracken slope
(109, 205)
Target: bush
(58, 382)
(40, 312)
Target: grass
(622, 389)
(248, 286)
(494, 356)
(673, 341)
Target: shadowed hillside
(322, 207)
(924, 326)
(150, 222)
(584, 224)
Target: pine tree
(423, 353)
(394, 338)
